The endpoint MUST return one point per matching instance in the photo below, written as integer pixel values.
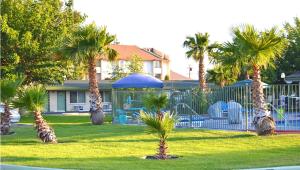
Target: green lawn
(83, 146)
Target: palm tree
(88, 45)
(156, 103)
(197, 47)
(228, 55)
(8, 91)
(221, 75)
(260, 50)
(161, 126)
(33, 98)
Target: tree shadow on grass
(84, 132)
(212, 137)
(73, 133)
(196, 138)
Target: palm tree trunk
(159, 114)
(247, 76)
(96, 107)
(162, 149)
(44, 131)
(202, 74)
(5, 120)
(222, 84)
(263, 123)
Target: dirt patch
(151, 157)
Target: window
(107, 96)
(77, 97)
(122, 63)
(156, 64)
(158, 76)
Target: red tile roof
(177, 76)
(157, 53)
(125, 52)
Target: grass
(83, 146)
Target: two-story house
(155, 62)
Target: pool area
(292, 122)
(228, 108)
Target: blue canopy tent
(247, 82)
(138, 81)
(127, 96)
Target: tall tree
(31, 30)
(135, 64)
(8, 89)
(88, 45)
(33, 98)
(118, 72)
(197, 47)
(260, 49)
(228, 55)
(290, 62)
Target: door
(61, 101)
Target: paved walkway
(278, 168)
(17, 167)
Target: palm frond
(197, 45)
(156, 126)
(89, 41)
(222, 74)
(259, 47)
(8, 88)
(32, 97)
(155, 102)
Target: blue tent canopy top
(138, 81)
(247, 82)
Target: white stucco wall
(106, 69)
(148, 67)
(165, 70)
(70, 106)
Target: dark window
(77, 96)
(156, 64)
(158, 76)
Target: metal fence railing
(232, 107)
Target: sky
(164, 24)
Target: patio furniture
(235, 112)
(218, 110)
(122, 117)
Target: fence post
(246, 108)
